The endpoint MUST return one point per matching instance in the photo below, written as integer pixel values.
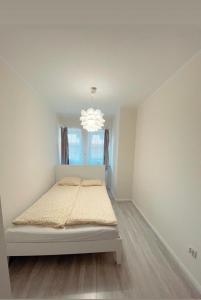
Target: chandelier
(92, 119)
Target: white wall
(124, 144)
(115, 146)
(27, 144)
(167, 177)
(74, 121)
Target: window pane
(75, 146)
(95, 147)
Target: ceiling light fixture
(92, 119)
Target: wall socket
(193, 252)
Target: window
(95, 148)
(85, 147)
(75, 146)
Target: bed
(30, 240)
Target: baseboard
(185, 270)
(122, 200)
(114, 197)
(118, 199)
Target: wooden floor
(147, 270)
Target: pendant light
(92, 119)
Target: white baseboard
(122, 200)
(118, 199)
(185, 270)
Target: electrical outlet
(193, 252)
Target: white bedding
(70, 205)
(92, 206)
(37, 234)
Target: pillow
(91, 182)
(73, 181)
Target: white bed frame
(79, 247)
(86, 172)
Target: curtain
(106, 148)
(64, 146)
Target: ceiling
(125, 48)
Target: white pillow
(73, 181)
(91, 182)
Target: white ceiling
(61, 48)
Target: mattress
(39, 234)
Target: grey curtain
(106, 148)
(64, 146)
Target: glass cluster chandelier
(92, 119)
